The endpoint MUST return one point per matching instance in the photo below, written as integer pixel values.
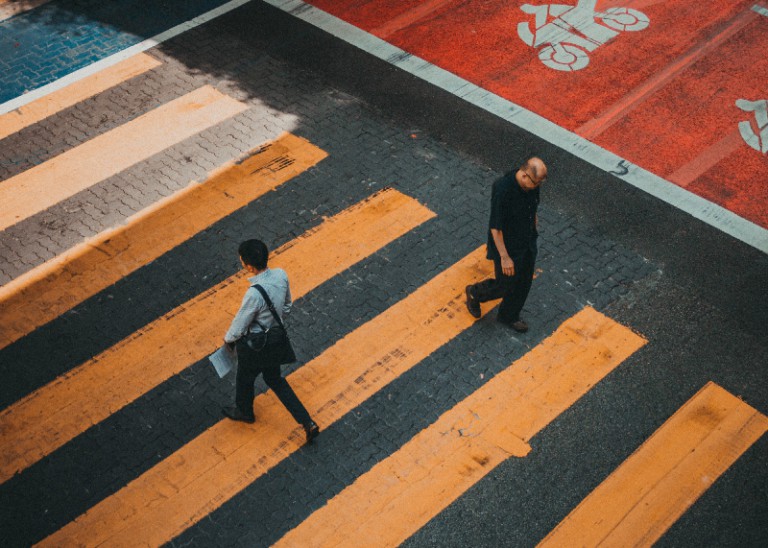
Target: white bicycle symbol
(569, 33)
(756, 139)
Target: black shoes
(236, 415)
(520, 326)
(312, 430)
(472, 304)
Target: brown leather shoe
(520, 326)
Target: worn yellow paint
(642, 498)
(59, 100)
(77, 169)
(218, 464)
(51, 416)
(58, 285)
(402, 493)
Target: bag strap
(269, 304)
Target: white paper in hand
(224, 360)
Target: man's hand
(507, 265)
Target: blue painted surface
(55, 39)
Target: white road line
(149, 43)
(708, 212)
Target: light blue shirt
(254, 308)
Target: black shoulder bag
(272, 344)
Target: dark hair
(254, 253)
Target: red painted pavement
(663, 97)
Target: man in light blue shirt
(253, 317)
(254, 309)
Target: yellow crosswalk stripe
(649, 492)
(59, 100)
(402, 493)
(58, 285)
(79, 168)
(51, 416)
(218, 464)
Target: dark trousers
(249, 366)
(512, 290)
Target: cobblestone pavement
(42, 45)
(695, 296)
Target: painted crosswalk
(79, 168)
(31, 113)
(217, 465)
(402, 493)
(54, 414)
(58, 285)
(399, 495)
(654, 487)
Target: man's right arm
(252, 303)
(498, 200)
(507, 264)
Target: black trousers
(249, 366)
(512, 290)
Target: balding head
(531, 174)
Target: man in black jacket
(512, 244)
